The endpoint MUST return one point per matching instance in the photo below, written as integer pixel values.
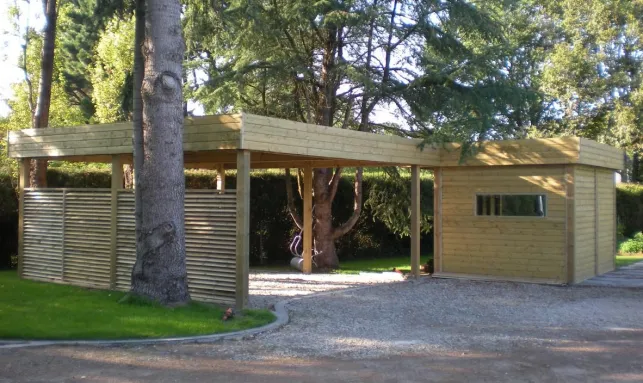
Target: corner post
(437, 220)
(117, 184)
(243, 227)
(308, 220)
(569, 223)
(415, 220)
(23, 183)
(220, 178)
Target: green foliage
(629, 207)
(378, 265)
(626, 260)
(62, 111)
(36, 310)
(112, 70)
(390, 202)
(592, 77)
(270, 225)
(632, 245)
(8, 221)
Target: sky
(10, 46)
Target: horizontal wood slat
(67, 239)
(43, 233)
(210, 219)
(207, 139)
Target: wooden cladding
(517, 248)
(595, 222)
(200, 133)
(541, 151)
(67, 238)
(282, 136)
(205, 137)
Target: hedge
(271, 226)
(629, 208)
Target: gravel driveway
(428, 329)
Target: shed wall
(585, 219)
(595, 222)
(521, 248)
(606, 231)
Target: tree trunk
(324, 242)
(40, 118)
(128, 177)
(160, 269)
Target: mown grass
(36, 310)
(378, 265)
(628, 259)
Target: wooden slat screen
(43, 234)
(87, 237)
(67, 239)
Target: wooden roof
(276, 143)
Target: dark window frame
(487, 203)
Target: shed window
(512, 205)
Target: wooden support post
(117, 184)
(437, 220)
(615, 225)
(569, 223)
(23, 183)
(308, 220)
(243, 227)
(596, 232)
(415, 220)
(62, 239)
(220, 178)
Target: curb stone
(281, 313)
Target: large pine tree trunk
(160, 269)
(41, 115)
(324, 242)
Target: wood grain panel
(525, 248)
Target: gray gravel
(268, 288)
(432, 315)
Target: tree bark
(160, 269)
(40, 118)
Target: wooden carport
(240, 142)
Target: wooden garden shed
(530, 210)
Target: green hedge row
(629, 208)
(271, 226)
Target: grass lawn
(376, 265)
(628, 259)
(35, 310)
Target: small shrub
(632, 245)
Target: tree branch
(291, 202)
(334, 182)
(24, 63)
(357, 208)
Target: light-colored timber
(243, 227)
(23, 183)
(415, 220)
(70, 239)
(87, 237)
(307, 251)
(117, 184)
(437, 220)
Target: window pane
(479, 204)
(524, 205)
